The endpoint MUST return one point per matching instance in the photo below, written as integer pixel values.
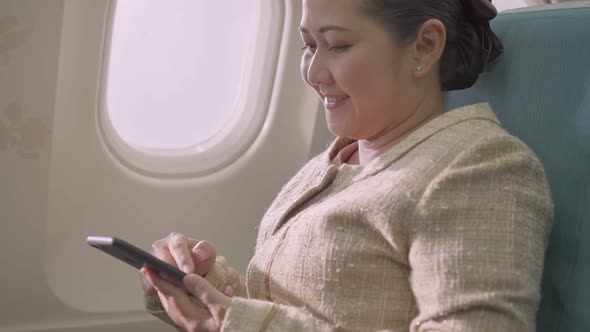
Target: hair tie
(480, 10)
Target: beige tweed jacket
(444, 232)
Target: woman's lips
(333, 102)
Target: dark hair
(470, 44)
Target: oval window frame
(229, 143)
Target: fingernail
(201, 254)
(196, 248)
(229, 291)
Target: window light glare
(174, 69)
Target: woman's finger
(204, 291)
(179, 249)
(204, 254)
(161, 251)
(147, 277)
(145, 283)
(173, 296)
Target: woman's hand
(186, 314)
(189, 255)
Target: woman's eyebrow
(326, 28)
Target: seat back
(540, 91)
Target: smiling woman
(412, 219)
(352, 68)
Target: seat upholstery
(540, 90)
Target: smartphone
(134, 256)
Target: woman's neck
(371, 148)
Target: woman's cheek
(351, 77)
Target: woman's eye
(308, 47)
(339, 49)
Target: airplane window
(174, 69)
(186, 86)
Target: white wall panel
(59, 182)
(29, 45)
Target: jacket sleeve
(478, 241)
(220, 276)
(250, 315)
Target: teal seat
(540, 90)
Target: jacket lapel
(312, 179)
(320, 172)
(424, 133)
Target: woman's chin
(338, 130)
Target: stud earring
(419, 68)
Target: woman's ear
(428, 47)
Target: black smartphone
(134, 256)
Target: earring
(419, 68)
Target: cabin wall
(60, 182)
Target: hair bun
(480, 10)
(477, 45)
(463, 60)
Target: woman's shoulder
(481, 134)
(469, 138)
(470, 123)
(478, 146)
(474, 129)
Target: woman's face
(363, 77)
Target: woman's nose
(317, 71)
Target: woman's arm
(478, 241)
(207, 309)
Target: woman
(412, 220)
